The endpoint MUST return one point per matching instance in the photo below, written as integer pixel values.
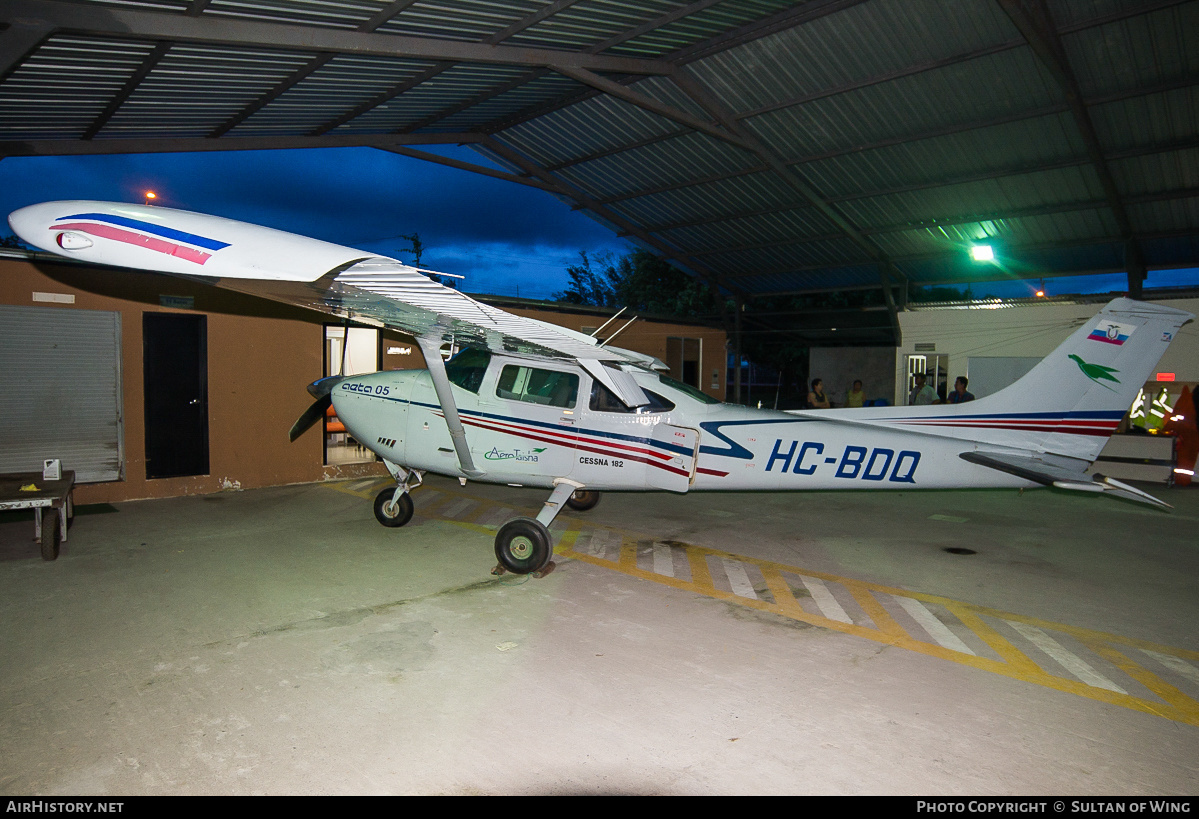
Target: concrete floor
(282, 642)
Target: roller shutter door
(61, 397)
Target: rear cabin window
(549, 387)
(602, 400)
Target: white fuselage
(692, 446)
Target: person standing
(922, 394)
(855, 397)
(816, 398)
(959, 394)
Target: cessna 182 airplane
(529, 404)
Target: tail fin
(1078, 394)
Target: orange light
(1165, 376)
(1040, 294)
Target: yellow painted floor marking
(878, 613)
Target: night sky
(505, 238)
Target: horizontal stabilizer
(1071, 477)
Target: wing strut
(431, 347)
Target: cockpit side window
(536, 386)
(603, 400)
(467, 368)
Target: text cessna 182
(530, 404)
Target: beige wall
(1027, 330)
(261, 356)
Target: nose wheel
(392, 511)
(393, 507)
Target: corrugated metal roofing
(767, 146)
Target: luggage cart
(51, 503)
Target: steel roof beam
(314, 64)
(20, 39)
(478, 99)
(1033, 19)
(978, 273)
(999, 173)
(533, 19)
(789, 18)
(1048, 110)
(117, 22)
(381, 98)
(155, 145)
(704, 180)
(621, 92)
(1017, 213)
(469, 166)
(780, 21)
(878, 78)
(886, 270)
(148, 64)
(561, 188)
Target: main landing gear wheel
(390, 514)
(523, 546)
(583, 500)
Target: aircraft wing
(305, 272)
(1064, 476)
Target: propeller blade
(311, 415)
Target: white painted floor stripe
(933, 625)
(593, 542)
(824, 600)
(1071, 662)
(738, 579)
(1177, 664)
(497, 517)
(663, 560)
(455, 509)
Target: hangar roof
(767, 146)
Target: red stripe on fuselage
(625, 451)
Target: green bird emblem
(1096, 372)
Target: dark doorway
(175, 361)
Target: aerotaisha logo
(515, 455)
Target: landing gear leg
(524, 545)
(393, 507)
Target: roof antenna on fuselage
(609, 321)
(626, 326)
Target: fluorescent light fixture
(982, 253)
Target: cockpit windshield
(694, 392)
(467, 368)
